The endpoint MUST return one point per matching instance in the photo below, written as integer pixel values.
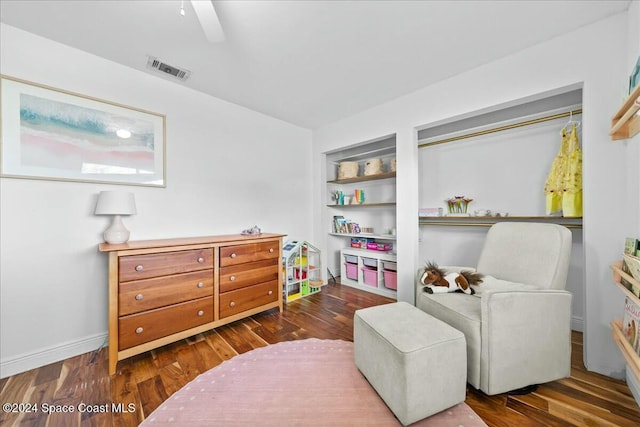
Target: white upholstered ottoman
(416, 363)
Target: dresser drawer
(147, 294)
(135, 267)
(252, 273)
(247, 298)
(239, 254)
(140, 328)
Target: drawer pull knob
(232, 304)
(232, 278)
(200, 284)
(200, 260)
(233, 255)
(270, 250)
(139, 330)
(270, 292)
(201, 313)
(139, 297)
(139, 268)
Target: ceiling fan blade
(208, 20)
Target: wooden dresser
(161, 291)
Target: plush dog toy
(436, 280)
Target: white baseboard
(24, 362)
(633, 384)
(577, 324)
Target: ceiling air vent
(178, 73)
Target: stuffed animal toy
(436, 280)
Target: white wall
(228, 168)
(594, 56)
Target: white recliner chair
(518, 324)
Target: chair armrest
(526, 338)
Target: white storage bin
(351, 259)
(390, 265)
(370, 262)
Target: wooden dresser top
(184, 241)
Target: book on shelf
(632, 246)
(344, 225)
(631, 324)
(631, 264)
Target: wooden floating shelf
(625, 122)
(488, 221)
(363, 178)
(617, 268)
(633, 360)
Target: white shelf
(376, 213)
(366, 235)
(379, 257)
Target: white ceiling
(309, 63)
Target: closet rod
(501, 128)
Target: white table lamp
(116, 203)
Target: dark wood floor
(146, 380)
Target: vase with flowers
(458, 205)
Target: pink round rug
(308, 382)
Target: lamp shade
(115, 203)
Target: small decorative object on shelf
(347, 170)
(373, 167)
(482, 212)
(458, 204)
(430, 212)
(253, 231)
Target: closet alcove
(499, 157)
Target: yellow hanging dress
(553, 186)
(572, 179)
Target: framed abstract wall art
(48, 133)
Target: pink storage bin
(383, 247)
(390, 279)
(370, 276)
(352, 271)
